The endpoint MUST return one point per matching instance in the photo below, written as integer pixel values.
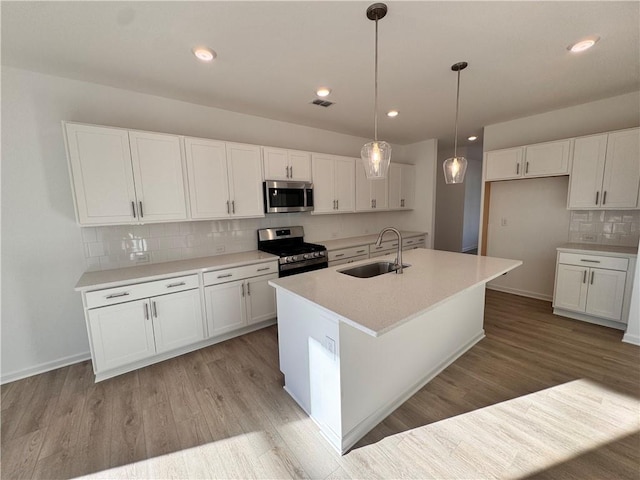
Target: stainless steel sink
(372, 269)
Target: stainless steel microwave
(282, 197)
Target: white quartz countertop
(379, 304)
(156, 271)
(364, 240)
(599, 249)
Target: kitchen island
(352, 350)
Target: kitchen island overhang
(354, 349)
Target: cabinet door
(102, 178)
(245, 180)
(177, 319)
(225, 304)
(324, 197)
(380, 194)
(546, 159)
(504, 164)
(585, 181)
(364, 200)
(276, 163)
(571, 287)
(408, 187)
(606, 292)
(157, 172)
(622, 170)
(121, 334)
(345, 184)
(261, 299)
(300, 166)
(395, 186)
(207, 174)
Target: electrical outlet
(504, 222)
(220, 249)
(330, 345)
(142, 258)
(588, 237)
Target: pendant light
(376, 155)
(455, 168)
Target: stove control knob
(306, 256)
(288, 259)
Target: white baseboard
(633, 339)
(44, 367)
(522, 293)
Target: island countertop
(379, 304)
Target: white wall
(541, 222)
(42, 258)
(472, 194)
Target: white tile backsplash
(614, 227)
(125, 245)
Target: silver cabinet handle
(242, 289)
(141, 211)
(133, 208)
(226, 275)
(604, 197)
(172, 285)
(116, 295)
(360, 251)
(338, 204)
(263, 269)
(146, 311)
(334, 204)
(402, 202)
(291, 171)
(584, 277)
(248, 289)
(597, 196)
(372, 203)
(155, 309)
(526, 168)
(286, 169)
(339, 255)
(589, 261)
(228, 209)
(517, 168)
(233, 206)
(592, 273)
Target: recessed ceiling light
(204, 54)
(392, 113)
(472, 138)
(323, 92)
(583, 45)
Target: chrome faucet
(398, 261)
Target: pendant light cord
(455, 144)
(375, 102)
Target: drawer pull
(589, 261)
(264, 269)
(360, 251)
(340, 255)
(172, 285)
(226, 275)
(116, 295)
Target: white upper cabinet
(371, 195)
(225, 179)
(333, 184)
(401, 186)
(282, 164)
(538, 160)
(123, 177)
(606, 171)
(158, 176)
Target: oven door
(283, 197)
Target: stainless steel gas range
(296, 255)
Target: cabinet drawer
(598, 261)
(343, 261)
(111, 296)
(348, 252)
(414, 242)
(240, 273)
(384, 246)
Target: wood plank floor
(540, 397)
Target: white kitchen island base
(352, 350)
(348, 381)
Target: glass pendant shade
(454, 169)
(375, 158)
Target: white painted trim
(633, 339)
(521, 293)
(590, 319)
(44, 367)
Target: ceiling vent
(322, 103)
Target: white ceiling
(273, 55)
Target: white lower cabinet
(593, 287)
(348, 255)
(239, 297)
(123, 332)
